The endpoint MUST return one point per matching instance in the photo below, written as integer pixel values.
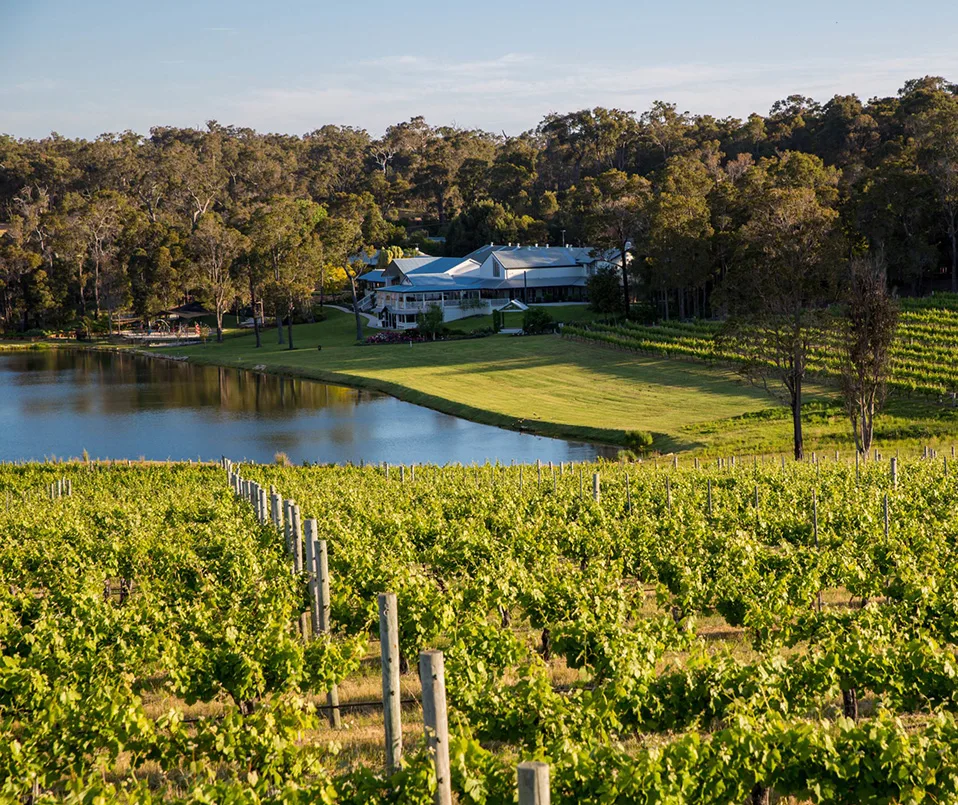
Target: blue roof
(372, 276)
(427, 288)
(428, 265)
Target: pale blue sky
(83, 67)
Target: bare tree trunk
(850, 703)
(289, 324)
(359, 320)
(625, 282)
(760, 795)
(797, 417)
(252, 298)
(219, 322)
(96, 287)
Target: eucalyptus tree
(616, 209)
(215, 247)
(284, 242)
(867, 332)
(786, 275)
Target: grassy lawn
(540, 383)
(563, 388)
(568, 314)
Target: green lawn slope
(558, 387)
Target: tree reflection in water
(117, 405)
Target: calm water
(62, 402)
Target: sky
(85, 67)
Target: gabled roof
(531, 257)
(372, 276)
(428, 265)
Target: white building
(480, 282)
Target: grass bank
(542, 384)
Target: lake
(60, 402)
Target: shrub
(281, 460)
(431, 322)
(638, 441)
(394, 337)
(537, 320)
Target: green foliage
(431, 322)
(639, 441)
(210, 600)
(537, 320)
(605, 291)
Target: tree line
(701, 205)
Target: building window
(495, 269)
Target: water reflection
(61, 402)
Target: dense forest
(225, 214)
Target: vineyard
(734, 631)
(924, 358)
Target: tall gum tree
(616, 208)
(215, 247)
(786, 275)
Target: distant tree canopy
(141, 223)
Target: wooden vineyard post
(595, 487)
(317, 563)
(412, 473)
(297, 540)
(312, 575)
(276, 511)
(389, 648)
(298, 562)
(885, 507)
(433, 676)
(288, 525)
(894, 473)
(263, 507)
(325, 625)
(696, 463)
(533, 779)
(322, 583)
